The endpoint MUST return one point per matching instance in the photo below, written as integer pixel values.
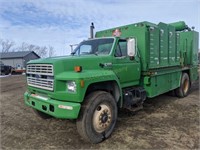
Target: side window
(121, 48)
(85, 49)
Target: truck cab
(59, 86)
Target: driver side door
(127, 70)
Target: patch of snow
(3, 76)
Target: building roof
(20, 54)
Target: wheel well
(108, 86)
(188, 72)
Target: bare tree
(27, 47)
(31, 47)
(23, 47)
(42, 51)
(51, 51)
(6, 45)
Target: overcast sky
(60, 23)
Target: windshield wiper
(96, 53)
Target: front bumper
(55, 108)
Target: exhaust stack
(92, 30)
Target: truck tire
(41, 114)
(184, 88)
(97, 117)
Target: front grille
(43, 69)
(40, 76)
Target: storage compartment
(161, 46)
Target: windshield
(95, 46)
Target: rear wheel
(41, 114)
(97, 117)
(184, 88)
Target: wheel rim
(185, 86)
(102, 118)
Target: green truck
(119, 68)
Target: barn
(18, 59)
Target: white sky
(60, 23)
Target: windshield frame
(111, 50)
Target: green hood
(67, 63)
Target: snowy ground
(4, 76)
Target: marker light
(77, 68)
(82, 83)
(116, 32)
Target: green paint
(163, 52)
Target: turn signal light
(77, 68)
(82, 83)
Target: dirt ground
(165, 122)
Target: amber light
(77, 68)
(82, 83)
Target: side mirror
(131, 45)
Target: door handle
(103, 65)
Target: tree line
(10, 46)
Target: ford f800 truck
(119, 68)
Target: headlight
(71, 86)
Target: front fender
(88, 77)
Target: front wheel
(184, 88)
(97, 117)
